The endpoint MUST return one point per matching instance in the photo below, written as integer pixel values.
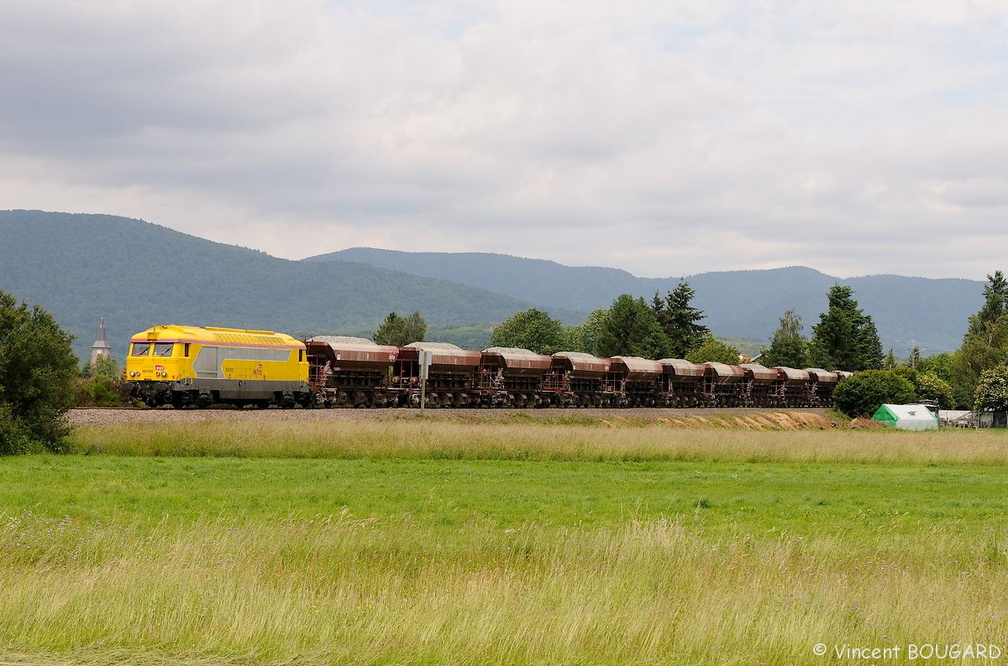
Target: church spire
(100, 347)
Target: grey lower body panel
(232, 391)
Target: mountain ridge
(745, 304)
(137, 274)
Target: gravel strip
(109, 417)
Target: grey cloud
(688, 133)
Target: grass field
(438, 541)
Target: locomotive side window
(163, 348)
(141, 348)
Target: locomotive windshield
(163, 348)
(141, 348)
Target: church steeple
(101, 347)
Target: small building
(101, 347)
(907, 417)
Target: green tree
(584, 337)
(995, 303)
(713, 350)
(864, 392)
(983, 349)
(37, 370)
(939, 364)
(788, 346)
(991, 393)
(529, 329)
(399, 331)
(932, 388)
(104, 366)
(631, 329)
(845, 338)
(927, 386)
(680, 320)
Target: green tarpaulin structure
(907, 417)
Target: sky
(665, 137)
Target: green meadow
(551, 542)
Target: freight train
(192, 366)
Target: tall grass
(346, 590)
(438, 541)
(436, 439)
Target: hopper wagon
(576, 379)
(345, 370)
(682, 382)
(451, 378)
(760, 386)
(511, 377)
(722, 384)
(793, 387)
(635, 381)
(822, 383)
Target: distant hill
(137, 274)
(739, 304)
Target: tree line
(40, 379)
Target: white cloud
(666, 138)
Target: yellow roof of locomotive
(215, 334)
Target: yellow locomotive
(189, 365)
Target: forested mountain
(136, 274)
(739, 304)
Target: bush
(864, 392)
(992, 392)
(100, 385)
(37, 370)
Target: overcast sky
(665, 138)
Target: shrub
(864, 392)
(37, 370)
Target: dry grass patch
(799, 438)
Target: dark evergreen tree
(985, 344)
(995, 303)
(788, 346)
(631, 329)
(399, 331)
(680, 320)
(37, 371)
(845, 338)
